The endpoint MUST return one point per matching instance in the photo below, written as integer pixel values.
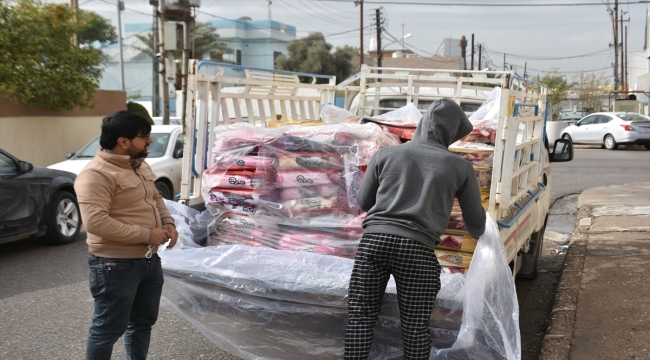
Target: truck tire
(531, 260)
(64, 223)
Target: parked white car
(610, 129)
(165, 158)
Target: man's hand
(160, 236)
(172, 230)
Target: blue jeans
(127, 298)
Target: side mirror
(70, 155)
(178, 153)
(562, 151)
(577, 123)
(26, 166)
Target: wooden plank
(260, 106)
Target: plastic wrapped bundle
(257, 302)
(480, 155)
(304, 179)
(484, 131)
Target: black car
(36, 201)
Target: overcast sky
(576, 37)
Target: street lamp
(380, 51)
(402, 39)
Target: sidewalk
(602, 303)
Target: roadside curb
(557, 341)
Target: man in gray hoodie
(408, 192)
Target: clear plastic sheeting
(290, 187)
(490, 324)
(193, 226)
(258, 302)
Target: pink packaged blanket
(317, 204)
(298, 178)
(304, 192)
(308, 161)
(241, 162)
(238, 179)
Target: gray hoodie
(408, 190)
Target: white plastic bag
(408, 114)
(193, 226)
(490, 328)
(330, 114)
(489, 110)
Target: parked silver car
(610, 129)
(165, 158)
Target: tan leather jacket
(119, 204)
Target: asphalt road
(46, 307)
(591, 167)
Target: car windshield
(156, 148)
(422, 105)
(633, 117)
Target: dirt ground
(536, 301)
(536, 296)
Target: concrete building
(254, 44)
(639, 67)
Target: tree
(558, 87)
(39, 66)
(206, 44)
(590, 89)
(312, 54)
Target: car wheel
(610, 143)
(567, 137)
(65, 221)
(163, 190)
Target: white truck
(519, 193)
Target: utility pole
(187, 53)
(479, 57)
(360, 3)
(472, 64)
(155, 108)
(380, 53)
(525, 65)
(164, 86)
(463, 51)
(120, 7)
(625, 61)
(615, 21)
(74, 4)
(270, 2)
(504, 61)
(622, 56)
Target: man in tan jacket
(126, 220)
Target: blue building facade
(254, 44)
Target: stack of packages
(455, 250)
(292, 187)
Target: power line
(530, 57)
(488, 4)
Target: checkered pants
(417, 276)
